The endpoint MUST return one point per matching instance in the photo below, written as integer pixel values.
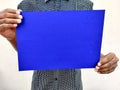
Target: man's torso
(56, 79)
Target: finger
(10, 15)
(108, 69)
(109, 64)
(4, 27)
(97, 68)
(106, 59)
(107, 72)
(10, 21)
(12, 11)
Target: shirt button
(56, 78)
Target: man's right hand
(9, 20)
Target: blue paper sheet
(50, 40)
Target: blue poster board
(49, 40)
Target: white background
(12, 79)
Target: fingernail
(18, 21)
(20, 17)
(97, 67)
(18, 12)
(99, 64)
(15, 25)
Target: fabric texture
(56, 79)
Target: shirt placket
(57, 4)
(56, 77)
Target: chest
(32, 5)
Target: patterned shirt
(69, 79)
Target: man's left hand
(107, 63)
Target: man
(53, 79)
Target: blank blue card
(50, 40)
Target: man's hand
(9, 19)
(107, 63)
